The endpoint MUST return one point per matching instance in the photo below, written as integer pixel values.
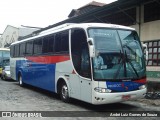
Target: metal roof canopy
(118, 6)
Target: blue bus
(94, 62)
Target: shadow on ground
(84, 105)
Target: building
(86, 8)
(12, 34)
(9, 35)
(143, 15)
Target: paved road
(16, 98)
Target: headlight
(102, 90)
(142, 87)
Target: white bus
(64, 60)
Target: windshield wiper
(122, 63)
(125, 60)
(128, 61)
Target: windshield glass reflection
(118, 54)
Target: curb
(153, 84)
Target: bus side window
(11, 51)
(62, 42)
(16, 48)
(58, 42)
(29, 48)
(22, 49)
(48, 43)
(37, 46)
(65, 41)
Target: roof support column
(140, 17)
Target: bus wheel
(20, 81)
(64, 92)
(2, 77)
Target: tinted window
(37, 46)
(80, 52)
(11, 51)
(65, 41)
(22, 49)
(29, 47)
(62, 42)
(16, 48)
(48, 43)
(58, 42)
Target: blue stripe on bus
(123, 86)
(37, 74)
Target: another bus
(4, 58)
(62, 60)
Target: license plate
(126, 97)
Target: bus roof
(75, 25)
(4, 49)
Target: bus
(62, 60)
(4, 58)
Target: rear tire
(3, 77)
(20, 80)
(64, 94)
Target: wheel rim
(64, 91)
(20, 80)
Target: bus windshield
(4, 58)
(118, 54)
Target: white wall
(9, 35)
(149, 30)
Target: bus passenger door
(81, 84)
(86, 92)
(74, 86)
(85, 75)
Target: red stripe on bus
(48, 59)
(143, 81)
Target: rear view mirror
(91, 47)
(145, 51)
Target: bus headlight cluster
(102, 90)
(142, 87)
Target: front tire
(20, 80)
(64, 94)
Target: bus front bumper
(106, 98)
